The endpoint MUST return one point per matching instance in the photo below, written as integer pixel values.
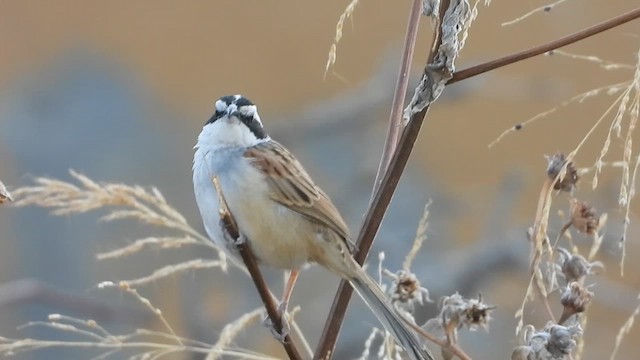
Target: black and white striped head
(234, 122)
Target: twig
(455, 349)
(379, 203)
(399, 95)
(250, 262)
(541, 49)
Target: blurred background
(119, 91)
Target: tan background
(165, 63)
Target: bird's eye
(220, 108)
(216, 115)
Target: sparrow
(286, 219)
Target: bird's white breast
(275, 233)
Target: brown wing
(292, 187)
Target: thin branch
(541, 49)
(250, 262)
(380, 202)
(453, 348)
(399, 95)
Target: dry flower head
(584, 217)
(553, 342)
(575, 267)
(406, 289)
(563, 172)
(457, 311)
(575, 300)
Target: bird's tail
(371, 293)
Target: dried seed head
(584, 217)
(554, 342)
(568, 175)
(406, 288)
(562, 339)
(574, 266)
(575, 300)
(473, 313)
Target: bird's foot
(284, 323)
(230, 239)
(241, 240)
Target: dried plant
(147, 344)
(627, 107)
(574, 300)
(624, 329)
(563, 176)
(124, 202)
(544, 8)
(333, 50)
(562, 172)
(554, 342)
(575, 267)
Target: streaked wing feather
(292, 187)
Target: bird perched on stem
(286, 219)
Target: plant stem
(380, 202)
(541, 49)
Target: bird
(287, 220)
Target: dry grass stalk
(421, 236)
(147, 303)
(605, 64)
(580, 98)
(134, 203)
(151, 344)
(11, 347)
(624, 330)
(231, 331)
(545, 8)
(469, 20)
(561, 176)
(629, 185)
(168, 242)
(125, 201)
(368, 343)
(333, 50)
(169, 270)
(626, 106)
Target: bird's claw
(230, 239)
(240, 240)
(284, 324)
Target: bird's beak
(232, 111)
